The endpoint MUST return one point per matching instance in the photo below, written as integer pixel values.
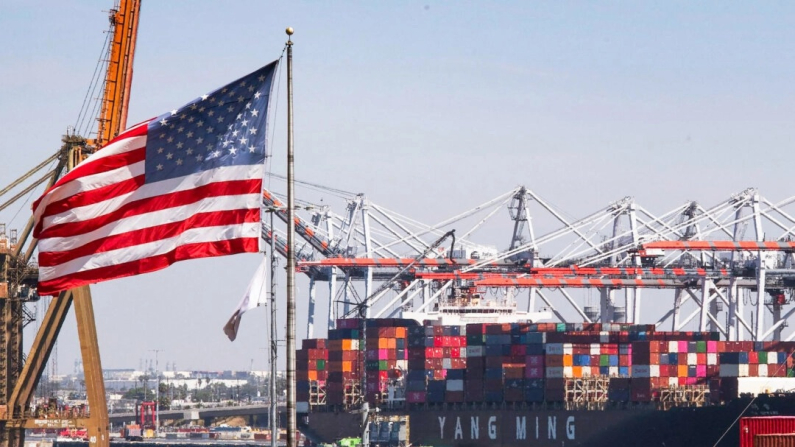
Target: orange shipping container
(567, 360)
(400, 332)
(391, 343)
(576, 371)
(347, 345)
(346, 366)
(681, 371)
(312, 375)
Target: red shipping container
(753, 359)
(438, 341)
(518, 350)
(454, 396)
(750, 427)
(455, 353)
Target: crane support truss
(723, 272)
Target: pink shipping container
(415, 397)
(750, 427)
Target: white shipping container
(712, 358)
(772, 358)
(474, 351)
(604, 337)
(743, 370)
(642, 371)
(673, 381)
(596, 349)
(692, 359)
(402, 364)
(587, 371)
(765, 385)
(673, 346)
(729, 370)
(613, 371)
(447, 363)
(463, 353)
(568, 348)
(455, 385)
(654, 370)
(568, 371)
(762, 371)
(554, 372)
(354, 345)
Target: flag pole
(273, 421)
(291, 422)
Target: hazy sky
(428, 107)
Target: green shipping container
(382, 365)
(561, 327)
(701, 346)
(762, 357)
(321, 365)
(604, 360)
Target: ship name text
(489, 428)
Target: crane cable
(30, 173)
(30, 188)
(82, 115)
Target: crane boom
(118, 78)
(388, 283)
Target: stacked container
(524, 362)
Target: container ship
(540, 384)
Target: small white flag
(255, 295)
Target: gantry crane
(17, 381)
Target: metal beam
(98, 435)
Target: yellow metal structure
(18, 382)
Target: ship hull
(691, 427)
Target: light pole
(157, 391)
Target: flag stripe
(181, 253)
(153, 219)
(93, 171)
(146, 191)
(93, 196)
(151, 234)
(139, 207)
(156, 248)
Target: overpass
(207, 414)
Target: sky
(427, 107)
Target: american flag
(184, 185)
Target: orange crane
(17, 386)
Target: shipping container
(750, 427)
(785, 440)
